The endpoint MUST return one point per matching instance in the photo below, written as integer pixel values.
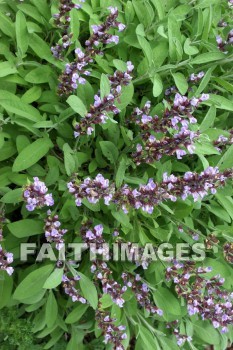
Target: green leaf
(209, 119)
(21, 32)
(157, 85)
(33, 283)
(218, 211)
(205, 148)
(6, 25)
(7, 150)
(181, 82)
(68, 159)
(204, 331)
(54, 279)
(174, 36)
(159, 5)
(126, 96)
(121, 172)
(42, 50)
(89, 290)
(26, 228)
(13, 196)
(120, 65)
(110, 151)
(31, 95)
(145, 45)
(104, 86)
(144, 11)
(32, 154)
(226, 161)
(39, 75)
(51, 310)
(122, 218)
(220, 102)
(6, 285)
(77, 105)
(225, 84)
(74, 24)
(147, 338)
(93, 207)
(190, 49)
(77, 336)
(205, 80)
(226, 202)
(76, 314)
(166, 301)
(7, 68)
(13, 104)
(55, 336)
(207, 57)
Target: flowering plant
(116, 155)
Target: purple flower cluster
(112, 334)
(70, 289)
(76, 71)
(141, 291)
(36, 196)
(175, 128)
(94, 239)
(204, 296)
(101, 270)
(109, 285)
(210, 241)
(223, 141)
(172, 188)
(148, 196)
(180, 338)
(98, 113)
(62, 20)
(194, 184)
(195, 78)
(100, 34)
(92, 190)
(5, 260)
(228, 252)
(53, 231)
(222, 44)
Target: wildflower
(205, 296)
(5, 260)
(75, 72)
(53, 232)
(36, 196)
(112, 334)
(98, 113)
(69, 288)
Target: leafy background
(166, 41)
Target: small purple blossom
(53, 232)
(36, 196)
(5, 260)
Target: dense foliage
(116, 127)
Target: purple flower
(121, 27)
(53, 232)
(146, 118)
(180, 153)
(5, 260)
(216, 324)
(35, 195)
(113, 10)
